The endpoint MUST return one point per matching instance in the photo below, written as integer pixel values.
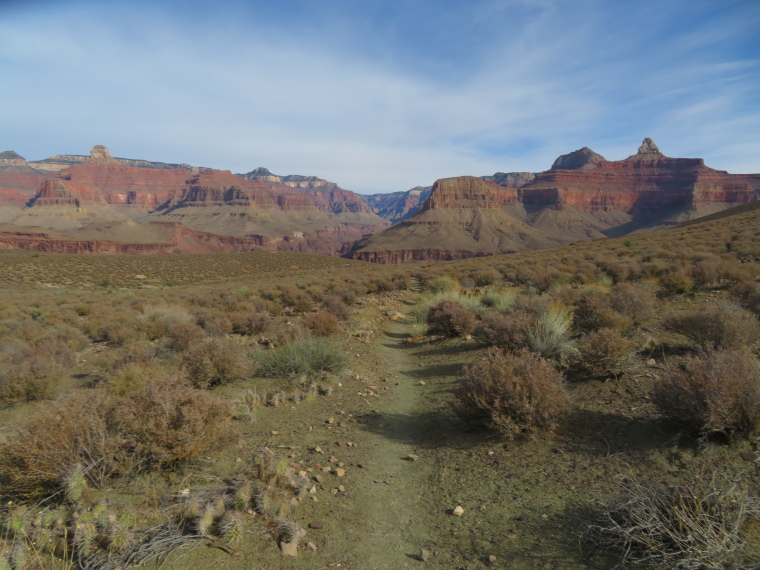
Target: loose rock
(458, 511)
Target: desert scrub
(442, 284)
(322, 324)
(155, 320)
(696, 523)
(721, 326)
(451, 319)
(112, 437)
(215, 362)
(509, 332)
(512, 393)
(305, 356)
(604, 352)
(712, 393)
(549, 335)
(499, 300)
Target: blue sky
(381, 96)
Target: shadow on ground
(427, 430)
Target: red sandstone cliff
(583, 196)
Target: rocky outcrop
(583, 196)
(18, 181)
(583, 159)
(511, 179)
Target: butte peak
(99, 152)
(648, 147)
(582, 159)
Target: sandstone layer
(583, 196)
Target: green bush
(306, 356)
(512, 393)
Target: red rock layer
(396, 256)
(469, 192)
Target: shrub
(699, 523)
(509, 332)
(748, 295)
(713, 393)
(156, 319)
(442, 284)
(215, 362)
(250, 324)
(512, 393)
(604, 353)
(549, 336)
(485, 277)
(322, 324)
(717, 327)
(306, 356)
(594, 311)
(114, 437)
(451, 319)
(335, 306)
(676, 282)
(637, 302)
(181, 336)
(499, 300)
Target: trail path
(389, 492)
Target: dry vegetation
(128, 370)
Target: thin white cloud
(239, 94)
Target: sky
(381, 95)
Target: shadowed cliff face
(583, 196)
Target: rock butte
(583, 196)
(102, 204)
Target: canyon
(102, 204)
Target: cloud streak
(511, 87)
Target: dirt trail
(389, 491)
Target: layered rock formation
(583, 196)
(111, 202)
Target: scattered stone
(289, 548)
(294, 501)
(331, 421)
(318, 525)
(311, 546)
(333, 459)
(318, 449)
(651, 362)
(350, 443)
(313, 490)
(491, 452)
(341, 488)
(341, 424)
(275, 432)
(302, 473)
(424, 555)
(749, 456)
(318, 478)
(491, 560)
(334, 491)
(412, 457)
(421, 382)
(340, 443)
(458, 511)
(340, 472)
(326, 469)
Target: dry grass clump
(716, 392)
(450, 318)
(248, 324)
(114, 437)
(549, 335)
(334, 305)
(322, 323)
(512, 393)
(156, 320)
(635, 301)
(698, 523)
(595, 310)
(302, 357)
(442, 284)
(215, 362)
(604, 352)
(718, 327)
(676, 283)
